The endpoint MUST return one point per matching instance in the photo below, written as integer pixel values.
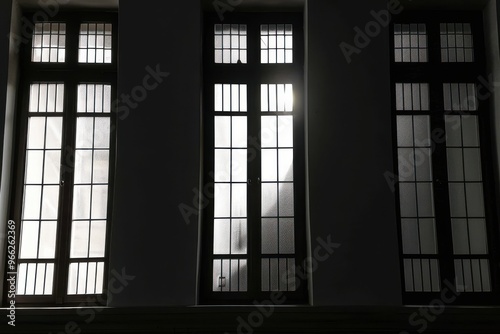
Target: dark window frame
(253, 73)
(71, 73)
(436, 73)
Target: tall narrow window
(254, 228)
(65, 152)
(445, 189)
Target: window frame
(70, 73)
(253, 73)
(425, 72)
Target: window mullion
(66, 200)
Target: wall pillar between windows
(349, 151)
(158, 153)
(9, 24)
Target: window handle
(250, 180)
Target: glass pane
(285, 165)
(269, 200)
(425, 200)
(81, 202)
(83, 166)
(54, 133)
(72, 278)
(52, 167)
(47, 245)
(427, 233)
(32, 202)
(222, 164)
(91, 277)
(222, 236)
(239, 131)
(84, 132)
(478, 236)
(475, 202)
(238, 236)
(36, 132)
(286, 199)
(239, 200)
(268, 131)
(101, 167)
(99, 277)
(29, 240)
(405, 131)
(102, 130)
(406, 165)
(49, 278)
(457, 200)
(472, 162)
(424, 164)
(221, 200)
(222, 131)
(80, 239)
(269, 165)
(34, 165)
(470, 131)
(286, 239)
(97, 238)
(99, 201)
(455, 164)
(408, 201)
(50, 202)
(285, 131)
(410, 232)
(460, 236)
(269, 236)
(453, 130)
(422, 130)
(82, 278)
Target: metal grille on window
(470, 246)
(410, 43)
(49, 43)
(277, 216)
(95, 43)
(40, 208)
(230, 43)
(230, 188)
(90, 191)
(456, 43)
(276, 43)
